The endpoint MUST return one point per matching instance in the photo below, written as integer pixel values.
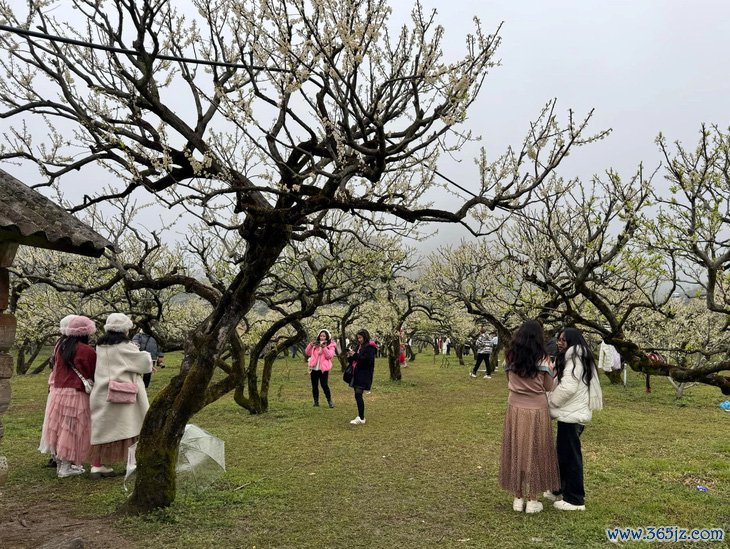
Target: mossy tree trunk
(165, 421)
(392, 345)
(459, 351)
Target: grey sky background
(645, 65)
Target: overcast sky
(645, 65)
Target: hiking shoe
(472, 374)
(565, 506)
(533, 507)
(65, 469)
(518, 504)
(315, 404)
(330, 404)
(357, 421)
(487, 376)
(101, 471)
(551, 497)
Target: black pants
(570, 462)
(360, 403)
(146, 378)
(319, 377)
(483, 357)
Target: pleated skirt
(529, 463)
(67, 425)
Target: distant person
(572, 401)
(362, 359)
(148, 343)
(528, 464)
(320, 353)
(67, 427)
(484, 345)
(118, 400)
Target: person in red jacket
(67, 428)
(320, 353)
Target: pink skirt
(529, 464)
(67, 426)
(43, 446)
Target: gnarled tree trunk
(185, 395)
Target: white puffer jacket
(571, 401)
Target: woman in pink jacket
(320, 353)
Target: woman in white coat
(572, 401)
(118, 399)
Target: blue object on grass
(725, 405)
(703, 489)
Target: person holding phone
(529, 462)
(362, 360)
(320, 353)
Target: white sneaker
(518, 504)
(472, 374)
(533, 507)
(102, 471)
(550, 496)
(357, 421)
(565, 506)
(487, 377)
(65, 469)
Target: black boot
(331, 404)
(316, 403)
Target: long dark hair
(112, 338)
(574, 338)
(365, 336)
(57, 349)
(67, 349)
(527, 349)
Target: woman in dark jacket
(363, 363)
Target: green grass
(421, 473)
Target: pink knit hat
(80, 326)
(64, 323)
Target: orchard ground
(421, 473)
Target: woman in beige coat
(116, 425)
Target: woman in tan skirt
(529, 463)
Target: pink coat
(323, 354)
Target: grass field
(421, 473)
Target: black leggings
(319, 377)
(487, 363)
(360, 403)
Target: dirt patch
(50, 525)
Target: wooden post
(7, 337)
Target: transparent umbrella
(200, 460)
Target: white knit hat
(118, 322)
(329, 335)
(64, 323)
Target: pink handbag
(122, 392)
